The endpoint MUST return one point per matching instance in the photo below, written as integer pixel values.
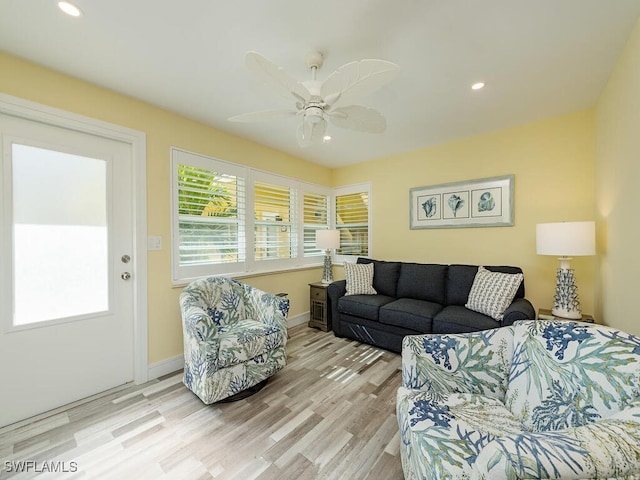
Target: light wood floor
(329, 414)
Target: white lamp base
(571, 314)
(566, 303)
(327, 272)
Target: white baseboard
(164, 367)
(173, 364)
(298, 320)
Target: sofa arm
(520, 309)
(608, 448)
(475, 362)
(334, 292)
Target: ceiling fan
(316, 100)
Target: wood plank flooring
(329, 414)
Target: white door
(67, 290)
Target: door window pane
(60, 254)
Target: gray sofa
(414, 298)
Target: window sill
(240, 275)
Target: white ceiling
(539, 58)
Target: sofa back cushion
(385, 276)
(460, 280)
(568, 374)
(422, 282)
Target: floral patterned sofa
(234, 337)
(538, 399)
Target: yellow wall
(617, 185)
(553, 162)
(164, 129)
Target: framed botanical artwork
(487, 202)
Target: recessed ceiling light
(69, 9)
(326, 138)
(477, 86)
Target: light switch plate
(154, 243)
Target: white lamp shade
(326, 239)
(566, 238)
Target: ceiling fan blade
(311, 133)
(357, 79)
(263, 116)
(357, 117)
(276, 77)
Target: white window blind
(316, 217)
(275, 232)
(352, 220)
(210, 203)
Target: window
(353, 220)
(233, 219)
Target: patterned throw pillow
(493, 292)
(359, 278)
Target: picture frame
(486, 202)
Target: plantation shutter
(352, 220)
(210, 199)
(275, 234)
(316, 217)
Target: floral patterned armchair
(234, 337)
(539, 399)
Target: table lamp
(566, 239)
(326, 240)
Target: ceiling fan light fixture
(313, 114)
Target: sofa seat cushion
(365, 306)
(409, 313)
(444, 433)
(456, 319)
(245, 340)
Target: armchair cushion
(608, 449)
(536, 400)
(568, 374)
(245, 340)
(450, 430)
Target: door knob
(125, 276)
